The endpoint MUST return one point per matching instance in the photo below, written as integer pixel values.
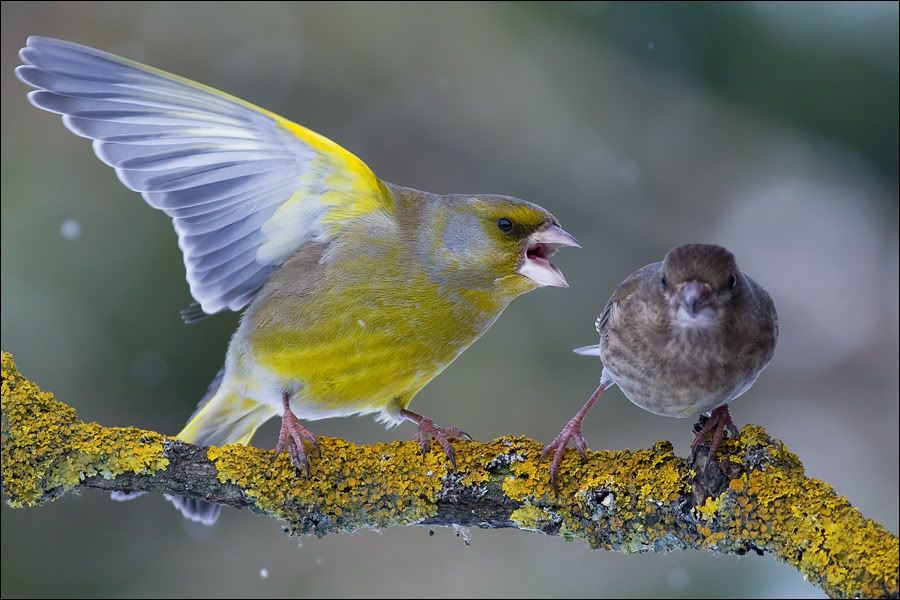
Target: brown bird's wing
(622, 293)
(753, 327)
(602, 323)
(610, 311)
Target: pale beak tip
(557, 236)
(568, 239)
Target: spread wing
(245, 187)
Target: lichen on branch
(756, 498)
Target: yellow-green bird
(357, 292)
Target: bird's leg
(429, 431)
(292, 436)
(717, 423)
(571, 431)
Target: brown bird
(681, 338)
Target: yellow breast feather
(357, 292)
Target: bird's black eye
(504, 224)
(732, 282)
(664, 283)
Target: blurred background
(770, 128)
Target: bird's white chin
(705, 317)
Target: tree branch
(756, 499)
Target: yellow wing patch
(245, 187)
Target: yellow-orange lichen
(46, 447)
(775, 507)
(629, 501)
(350, 485)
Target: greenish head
(488, 240)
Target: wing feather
(245, 187)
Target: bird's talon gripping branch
(718, 423)
(302, 237)
(670, 326)
(442, 435)
(572, 431)
(292, 437)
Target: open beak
(540, 247)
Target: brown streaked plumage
(681, 338)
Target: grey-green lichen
(629, 501)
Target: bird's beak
(695, 296)
(541, 245)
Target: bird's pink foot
(717, 424)
(291, 438)
(571, 432)
(442, 435)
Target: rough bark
(755, 498)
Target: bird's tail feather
(226, 418)
(222, 417)
(593, 350)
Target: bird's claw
(442, 435)
(718, 423)
(292, 438)
(571, 432)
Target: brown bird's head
(699, 281)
